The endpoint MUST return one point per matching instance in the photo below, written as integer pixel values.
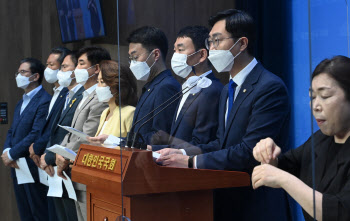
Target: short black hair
(150, 38)
(337, 68)
(35, 67)
(62, 51)
(238, 24)
(73, 57)
(196, 33)
(94, 54)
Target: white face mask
(82, 75)
(22, 81)
(104, 94)
(140, 69)
(50, 75)
(64, 78)
(222, 60)
(180, 66)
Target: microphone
(137, 136)
(132, 134)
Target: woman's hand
(266, 151)
(99, 139)
(268, 175)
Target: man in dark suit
(64, 117)
(254, 105)
(148, 47)
(195, 120)
(29, 118)
(53, 62)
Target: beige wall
(29, 28)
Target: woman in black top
(292, 171)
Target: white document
(63, 151)
(69, 187)
(23, 173)
(155, 155)
(112, 141)
(55, 185)
(43, 177)
(76, 132)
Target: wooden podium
(151, 192)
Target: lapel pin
(148, 89)
(61, 96)
(244, 90)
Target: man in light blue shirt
(29, 118)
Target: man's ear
(97, 69)
(157, 54)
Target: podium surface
(150, 191)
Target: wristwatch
(190, 161)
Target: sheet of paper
(112, 141)
(23, 173)
(63, 151)
(43, 177)
(55, 185)
(76, 132)
(155, 155)
(69, 187)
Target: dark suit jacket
(26, 127)
(65, 119)
(154, 93)
(260, 110)
(332, 173)
(197, 122)
(41, 142)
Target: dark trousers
(65, 207)
(31, 201)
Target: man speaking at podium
(253, 106)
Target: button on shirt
(185, 96)
(56, 92)
(239, 80)
(26, 99)
(86, 94)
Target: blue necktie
(231, 94)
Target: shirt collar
(33, 92)
(58, 89)
(74, 90)
(89, 91)
(185, 84)
(242, 75)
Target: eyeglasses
(133, 59)
(215, 42)
(21, 72)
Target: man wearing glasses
(254, 105)
(28, 120)
(148, 47)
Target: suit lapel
(17, 116)
(61, 97)
(190, 99)
(78, 110)
(74, 102)
(246, 89)
(147, 92)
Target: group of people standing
(242, 126)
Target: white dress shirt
(86, 94)
(56, 92)
(185, 96)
